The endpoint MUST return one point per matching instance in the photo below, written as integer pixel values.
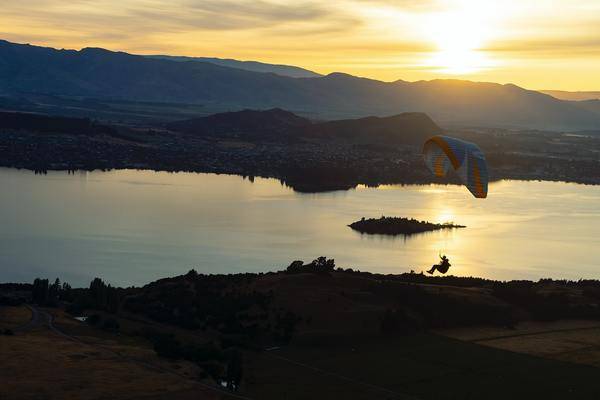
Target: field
(576, 341)
(12, 317)
(422, 366)
(39, 363)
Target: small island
(398, 226)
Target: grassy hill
(310, 332)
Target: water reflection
(131, 227)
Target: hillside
(245, 122)
(406, 128)
(352, 335)
(103, 74)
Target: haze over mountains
(573, 96)
(102, 74)
(255, 66)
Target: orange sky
(538, 44)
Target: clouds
(232, 14)
(242, 14)
(386, 39)
(549, 47)
(173, 15)
(162, 25)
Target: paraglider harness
(443, 266)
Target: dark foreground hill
(352, 335)
(99, 73)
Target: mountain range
(101, 74)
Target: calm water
(131, 227)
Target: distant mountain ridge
(255, 66)
(573, 96)
(99, 73)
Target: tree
(39, 291)
(295, 266)
(321, 264)
(54, 292)
(65, 293)
(104, 297)
(98, 293)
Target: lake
(131, 227)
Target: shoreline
(299, 188)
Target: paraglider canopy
(466, 158)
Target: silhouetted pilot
(442, 267)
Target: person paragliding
(442, 266)
(444, 152)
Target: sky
(537, 44)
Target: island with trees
(398, 226)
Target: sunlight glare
(445, 215)
(459, 33)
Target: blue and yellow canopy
(467, 159)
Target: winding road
(41, 318)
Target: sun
(459, 33)
(444, 216)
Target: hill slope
(274, 121)
(103, 74)
(406, 128)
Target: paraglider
(441, 152)
(443, 266)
